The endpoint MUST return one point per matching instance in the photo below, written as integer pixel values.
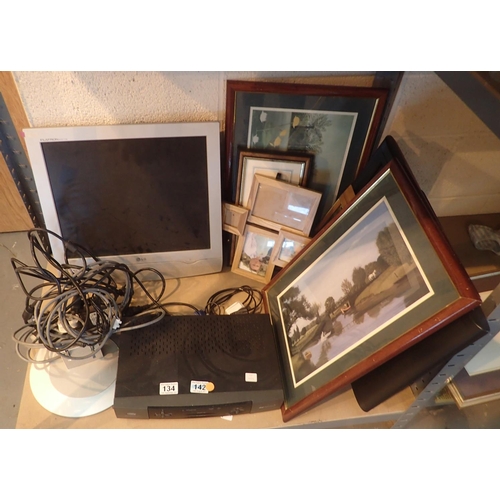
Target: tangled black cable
(70, 305)
(251, 300)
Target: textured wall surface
(99, 98)
(454, 156)
(103, 98)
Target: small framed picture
(293, 168)
(252, 257)
(288, 246)
(278, 205)
(234, 218)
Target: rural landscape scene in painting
(358, 286)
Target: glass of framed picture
(288, 246)
(252, 257)
(375, 281)
(293, 168)
(278, 205)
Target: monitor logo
(140, 259)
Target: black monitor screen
(131, 196)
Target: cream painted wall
(98, 98)
(455, 158)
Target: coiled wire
(69, 306)
(251, 300)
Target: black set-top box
(193, 366)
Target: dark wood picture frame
(348, 116)
(428, 289)
(298, 171)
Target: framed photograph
(278, 205)
(377, 280)
(252, 257)
(291, 168)
(234, 218)
(288, 246)
(336, 124)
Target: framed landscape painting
(335, 124)
(375, 281)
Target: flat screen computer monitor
(146, 195)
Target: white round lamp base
(85, 389)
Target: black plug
(28, 314)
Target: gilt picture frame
(336, 124)
(377, 280)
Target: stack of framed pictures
(292, 150)
(335, 125)
(376, 280)
(377, 275)
(278, 222)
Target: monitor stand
(79, 391)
